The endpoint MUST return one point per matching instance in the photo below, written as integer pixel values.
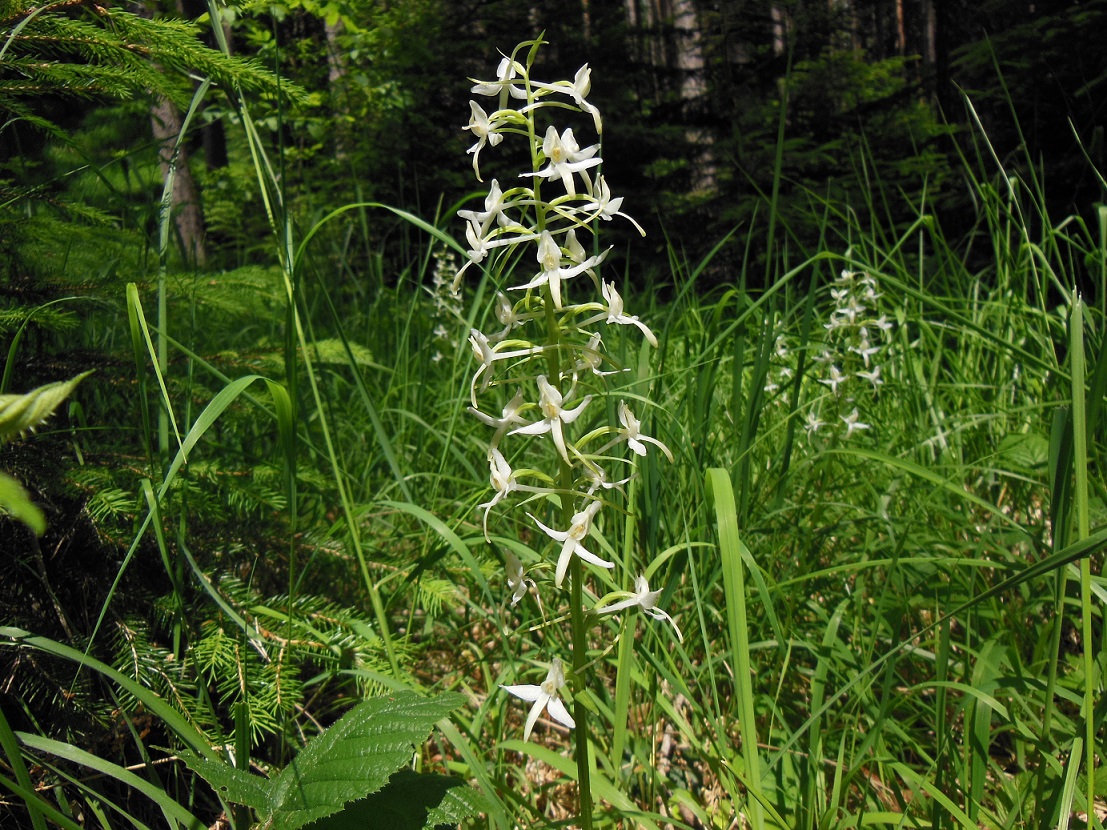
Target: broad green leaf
(20, 413)
(230, 783)
(410, 801)
(1025, 450)
(15, 501)
(355, 757)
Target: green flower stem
(580, 712)
(576, 592)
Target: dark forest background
(858, 97)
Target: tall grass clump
(880, 534)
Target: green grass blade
(171, 809)
(45, 809)
(15, 760)
(173, 720)
(732, 552)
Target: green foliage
(20, 414)
(355, 761)
(15, 502)
(90, 50)
(26, 412)
(920, 599)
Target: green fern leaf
(21, 413)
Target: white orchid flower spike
(544, 697)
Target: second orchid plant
(544, 375)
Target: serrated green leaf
(15, 501)
(355, 757)
(19, 413)
(232, 784)
(410, 801)
(1028, 451)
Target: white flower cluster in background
(542, 373)
(849, 358)
(447, 306)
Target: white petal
(618, 606)
(557, 535)
(559, 713)
(537, 428)
(535, 711)
(527, 692)
(563, 559)
(590, 557)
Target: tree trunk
(165, 123)
(336, 75)
(667, 36)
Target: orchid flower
(510, 416)
(591, 360)
(645, 599)
(872, 377)
(578, 256)
(502, 86)
(506, 314)
(486, 353)
(571, 541)
(581, 86)
(485, 130)
(615, 313)
(634, 437)
(544, 697)
(598, 479)
(549, 257)
(550, 402)
(852, 424)
(607, 208)
(577, 89)
(852, 310)
(882, 323)
(866, 350)
(503, 482)
(836, 377)
(493, 210)
(813, 423)
(564, 158)
(480, 245)
(517, 581)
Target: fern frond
(79, 48)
